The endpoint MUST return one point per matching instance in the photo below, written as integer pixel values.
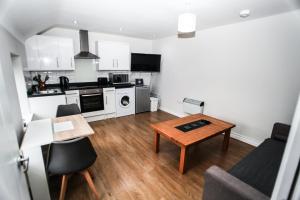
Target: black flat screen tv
(145, 62)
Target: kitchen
(97, 86)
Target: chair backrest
(71, 156)
(66, 110)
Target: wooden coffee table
(186, 139)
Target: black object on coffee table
(193, 125)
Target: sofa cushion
(259, 168)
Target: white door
(123, 56)
(283, 188)
(32, 53)
(66, 54)
(109, 100)
(13, 184)
(48, 52)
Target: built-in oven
(91, 100)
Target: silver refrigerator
(142, 99)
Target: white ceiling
(138, 18)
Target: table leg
(226, 140)
(156, 141)
(182, 159)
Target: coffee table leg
(156, 142)
(226, 140)
(182, 159)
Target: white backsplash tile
(86, 71)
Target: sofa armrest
(280, 131)
(221, 185)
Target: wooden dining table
(184, 140)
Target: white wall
(9, 96)
(86, 69)
(247, 73)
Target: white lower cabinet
(109, 100)
(73, 97)
(46, 106)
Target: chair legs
(63, 189)
(87, 177)
(91, 173)
(90, 182)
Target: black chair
(72, 156)
(66, 110)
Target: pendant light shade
(187, 23)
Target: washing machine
(125, 101)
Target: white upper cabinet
(66, 52)
(32, 53)
(113, 55)
(49, 53)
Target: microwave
(118, 78)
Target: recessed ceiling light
(245, 13)
(121, 29)
(75, 22)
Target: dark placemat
(193, 125)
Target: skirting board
(237, 136)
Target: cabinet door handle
(117, 63)
(106, 100)
(77, 101)
(57, 64)
(71, 63)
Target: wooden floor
(128, 168)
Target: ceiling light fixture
(187, 23)
(245, 13)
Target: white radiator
(192, 106)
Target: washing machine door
(125, 101)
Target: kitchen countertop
(44, 95)
(76, 86)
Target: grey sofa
(252, 178)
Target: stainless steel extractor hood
(84, 47)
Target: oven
(91, 100)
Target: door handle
(90, 95)
(23, 163)
(57, 64)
